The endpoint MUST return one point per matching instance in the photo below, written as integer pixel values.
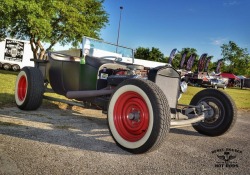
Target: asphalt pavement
(66, 141)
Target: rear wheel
(29, 88)
(224, 112)
(138, 116)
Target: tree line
(235, 59)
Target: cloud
(218, 41)
(230, 3)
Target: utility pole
(117, 42)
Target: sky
(167, 24)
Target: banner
(172, 55)
(13, 50)
(201, 62)
(207, 64)
(219, 63)
(183, 59)
(190, 62)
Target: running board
(86, 94)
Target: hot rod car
(141, 103)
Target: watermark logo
(226, 157)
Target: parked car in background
(218, 83)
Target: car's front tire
(138, 116)
(223, 109)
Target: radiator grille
(171, 88)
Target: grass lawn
(8, 78)
(7, 87)
(240, 96)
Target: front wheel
(138, 116)
(224, 112)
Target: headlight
(183, 87)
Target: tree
(142, 53)
(212, 66)
(146, 54)
(51, 21)
(156, 55)
(237, 59)
(242, 66)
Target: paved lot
(53, 141)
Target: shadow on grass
(8, 72)
(237, 88)
(7, 100)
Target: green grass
(7, 87)
(7, 90)
(241, 97)
(8, 79)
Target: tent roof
(241, 77)
(228, 75)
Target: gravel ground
(73, 141)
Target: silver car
(218, 83)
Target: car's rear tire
(138, 116)
(29, 88)
(224, 112)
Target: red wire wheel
(131, 116)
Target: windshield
(101, 49)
